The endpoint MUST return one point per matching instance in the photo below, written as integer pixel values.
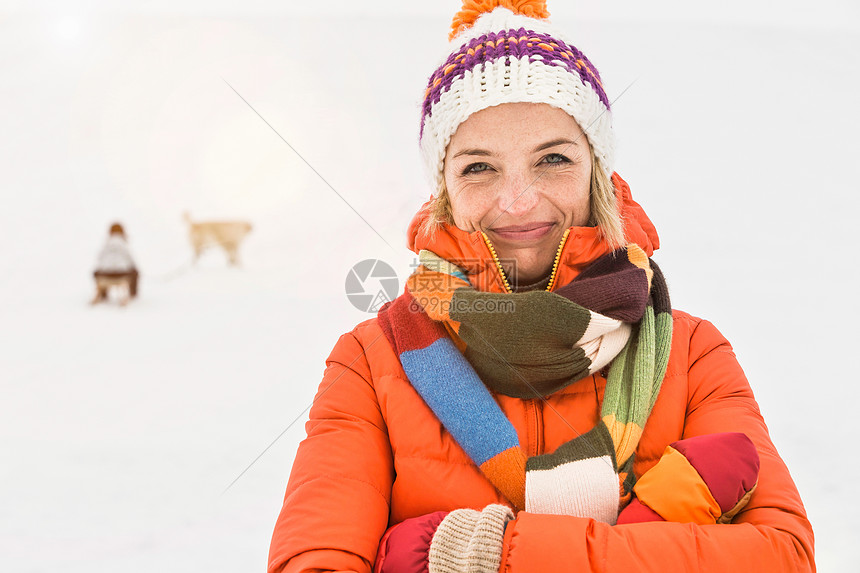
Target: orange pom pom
(473, 9)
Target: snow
(124, 428)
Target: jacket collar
(583, 246)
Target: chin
(534, 267)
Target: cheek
(467, 214)
(581, 207)
(572, 197)
(468, 206)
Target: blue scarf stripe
(449, 385)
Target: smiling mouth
(526, 231)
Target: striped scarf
(530, 345)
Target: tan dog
(225, 234)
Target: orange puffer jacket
(376, 455)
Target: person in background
(532, 402)
(115, 267)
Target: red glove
(405, 547)
(706, 479)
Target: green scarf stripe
(637, 373)
(665, 324)
(624, 385)
(513, 379)
(546, 314)
(527, 337)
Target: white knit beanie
(505, 51)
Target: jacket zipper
(534, 423)
(502, 271)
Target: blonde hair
(602, 203)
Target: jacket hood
(583, 246)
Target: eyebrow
(541, 147)
(472, 152)
(554, 142)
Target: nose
(518, 195)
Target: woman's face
(521, 173)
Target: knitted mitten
(706, 479)
(470, 540)
(442, 542)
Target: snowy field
(122, 429)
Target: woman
(493, 417)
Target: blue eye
(475, 168)
(555, 159)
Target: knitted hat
(505, 51)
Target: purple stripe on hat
(507, 44)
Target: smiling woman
(521, 173)
(532, 402)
